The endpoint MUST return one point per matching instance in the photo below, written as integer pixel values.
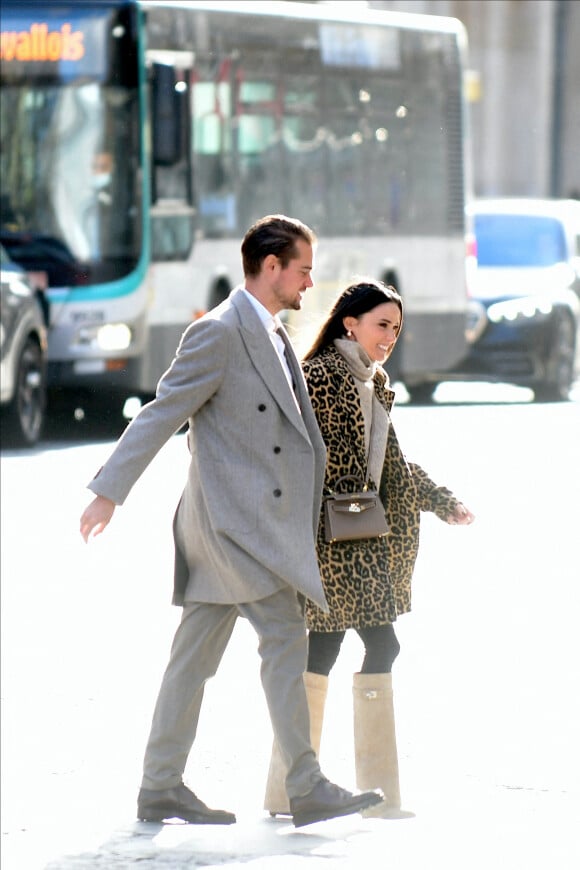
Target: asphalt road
(486, 686)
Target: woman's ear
(349, 323)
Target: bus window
(212, 144)
(172, 215)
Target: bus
(140, 140)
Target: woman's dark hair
(274, 234)
(357, 299)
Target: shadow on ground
(267, 844)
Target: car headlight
(110, 336)
(527, 307)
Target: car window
(519, 240)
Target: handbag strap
(363, 483)
(369, 450)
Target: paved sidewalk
(487, 707)
(478, 829)
(482, 801)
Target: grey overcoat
(247, 520)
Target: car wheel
(23, 418)
(556, 386)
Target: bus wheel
(220, 293)
(421, 394)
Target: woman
(367, 583)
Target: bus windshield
(69, 143)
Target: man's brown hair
(274, 234)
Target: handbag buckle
(354, 507)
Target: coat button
(277, 493)
(261, 407)
(277, 449)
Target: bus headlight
(110, 336)
(513, 309)
(114, 336)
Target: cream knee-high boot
(276, 800)
(375, 744)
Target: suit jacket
(247, 520)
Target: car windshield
(519, 240)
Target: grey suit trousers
(198, 647)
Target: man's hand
(96, 517)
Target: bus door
(172, 212)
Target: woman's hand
(461, 516)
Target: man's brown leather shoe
(328, 801)
(154, 805)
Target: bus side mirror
(167, 117)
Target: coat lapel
(267, 363)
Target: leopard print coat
(367, 583)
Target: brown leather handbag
(353, 516)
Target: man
(246, 523)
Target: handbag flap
(354, 503)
